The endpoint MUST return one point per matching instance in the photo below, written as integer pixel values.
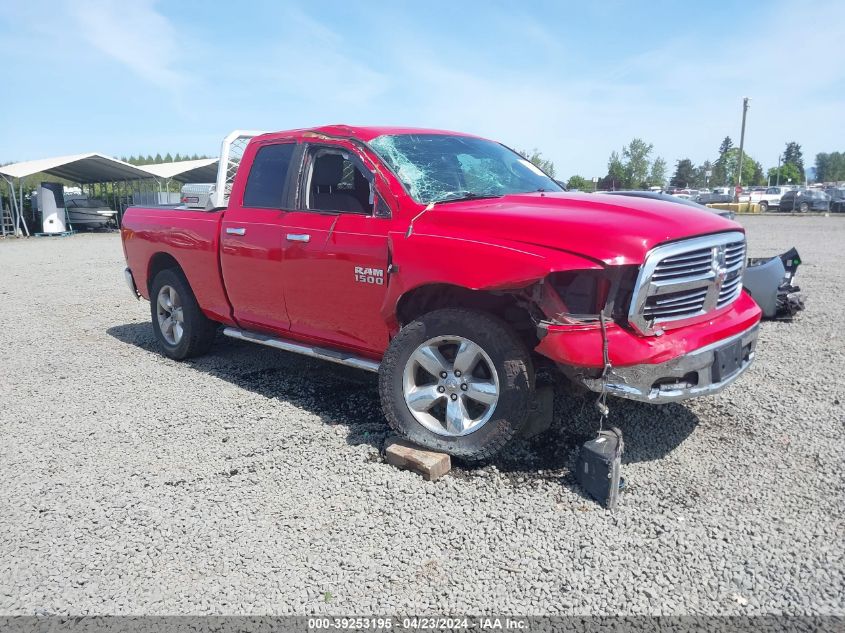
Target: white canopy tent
(171, 176)
(84, 169)
(202, 170)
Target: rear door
(335, 251)
(251, 238)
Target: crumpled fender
(769, 282)
(762, 282)
(420, 260)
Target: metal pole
(777, 184)
(23, 219)
(20, 206)
(14, 209)
(3, 209)
(741, 143)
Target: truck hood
(612, 229)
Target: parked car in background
(837, 199)
(686, 192)
(805, 200)
(766, 198)
(659, 195)
(714, 198)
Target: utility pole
(778, 182)
(741, 141)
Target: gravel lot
(249, 481)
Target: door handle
(235, 231)
(298, 237)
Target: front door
(251, 242)
(335, 254)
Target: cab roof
(361, 133)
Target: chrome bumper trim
(638, 382)
(130, 281)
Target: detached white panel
(52, 202)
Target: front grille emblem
(719, 266)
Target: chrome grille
(688, 279)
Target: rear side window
(268, 177)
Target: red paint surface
(581, 346)
(307, 291)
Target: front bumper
(687, 376)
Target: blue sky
(576, 80)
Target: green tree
(158, 159)
(749, 166)
(788, 174)
(636, 155)
(657, 175)
(616, 177)
(535, 157)
(759, 177)
(634, 169)
(168, 158)
(830, 167)
(792, 156)
(701, 179)
(684, 175)
(580, 183)
(720, 170)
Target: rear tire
(180, 327)
(764, 206)
(804, 207)
(470, 413)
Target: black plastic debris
(599, 467)
(770, 281)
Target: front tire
(458, 381)
(764, 206)
(804, 207)
(180, 327)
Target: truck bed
(191, 237)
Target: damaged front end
(677, 327)
(769, 280)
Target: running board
(331, 355)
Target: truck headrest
(328, 170)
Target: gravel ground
(250, 481)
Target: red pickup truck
(454, 268)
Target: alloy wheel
(171, 320)
(450, 385)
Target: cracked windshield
(440, 167)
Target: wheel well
(502, 304)
(159, 262)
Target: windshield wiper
(466, 195)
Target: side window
(337, 182)
(382, 209)
(265, 186)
